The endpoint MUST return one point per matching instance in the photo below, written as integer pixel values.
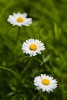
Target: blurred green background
(18, 70)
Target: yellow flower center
(33, 47)
(45, 81)
(20, 19)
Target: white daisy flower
(45, 83)
(19, 19)
(32, 47)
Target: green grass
(18, 70)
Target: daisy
(19, 19)
(45, 83)
(32, 47)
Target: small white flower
(32, 47)
(45, 83)
(19, 19)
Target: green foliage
(18, 70)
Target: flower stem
(18, 34)
(62, 81)
(18, 31)
(26, 68)
(40, 92)
(35, 96)
(13, 72)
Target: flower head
(19, 19)
(32, 47)
(45, 83)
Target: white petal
(12, 19)
(48, 88)
(26, 45)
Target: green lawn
(17, 69)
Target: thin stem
(63, 89)
(18, 34)
(35, 96)
(44, 97)
(18, 30)
(13, 72)
(25, 69)
(40, 92)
